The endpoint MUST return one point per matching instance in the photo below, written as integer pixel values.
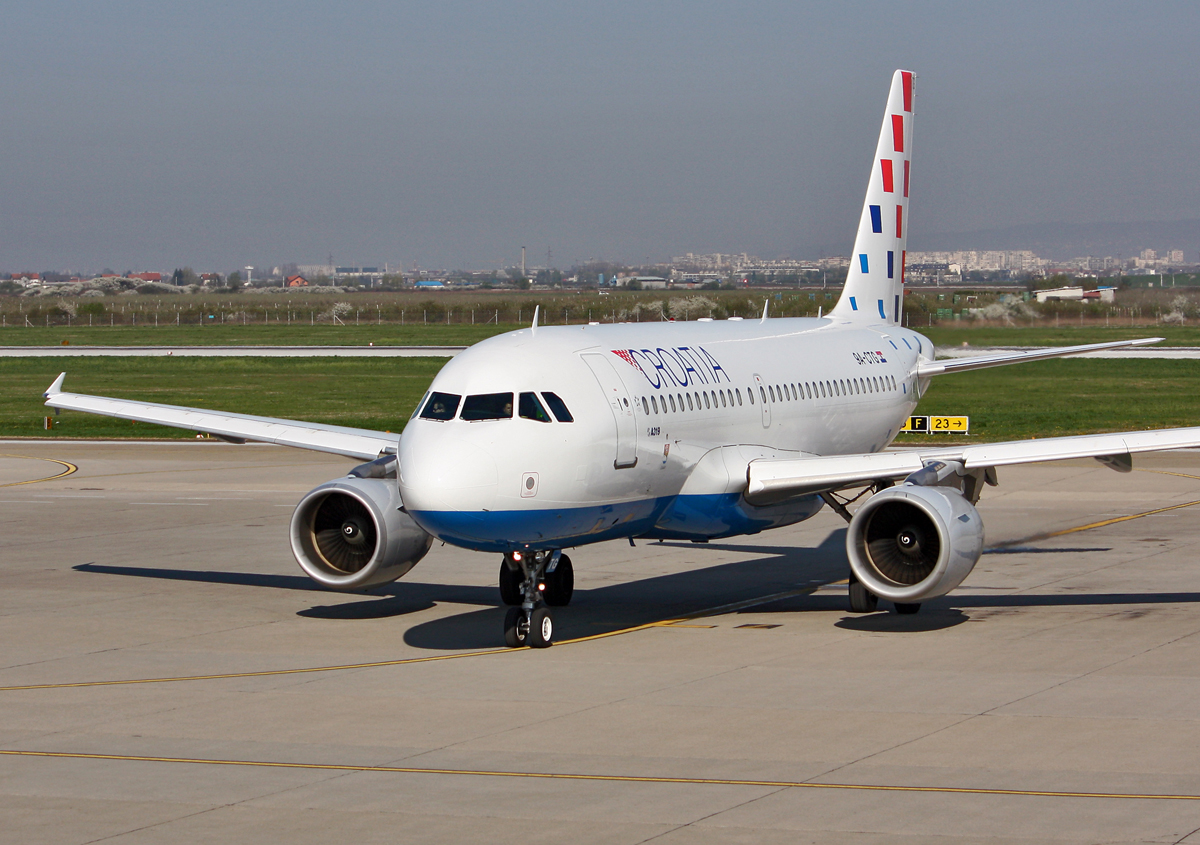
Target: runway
(169, 675)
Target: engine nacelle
(350, 534)
(912, 543)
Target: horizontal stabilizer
(960, 365)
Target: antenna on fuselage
(533, 328)
(766, 305)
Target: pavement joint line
(70, 468)
(696, 781)
(661, 623)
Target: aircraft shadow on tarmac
(678, 595)
(615, 607)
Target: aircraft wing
(959, 365)
(238, 428)
(773, 480)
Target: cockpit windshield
(441, 406)
(558, 407)
(488, 406)
(530, 408)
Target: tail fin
(875, 282)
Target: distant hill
(1069, 240)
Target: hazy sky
(150, 135)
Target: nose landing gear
(528, 582)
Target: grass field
(1030, 400)
(460, 334)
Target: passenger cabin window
(645, 406)
(557, 407)
(488, 406)
(441, 406)
(529, 408)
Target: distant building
(1059, 294)
(296, 282)
(1106, 294)
(210, 278)
(147, 277)
(647, 282)
(430, 284)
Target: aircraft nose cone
(454, 475)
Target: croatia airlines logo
(679, 366)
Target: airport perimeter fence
(560, 308)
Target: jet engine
(911, 543)
(352, 533)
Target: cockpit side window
(441, 406)
(420, 405)
(488, 406)
(557, 407)
(529, 408)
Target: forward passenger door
(622, 408)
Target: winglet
(56, 388)
(533, 328)
(766, 305)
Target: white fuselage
(666, 417)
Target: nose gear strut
(529, 581)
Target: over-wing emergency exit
(551, 438)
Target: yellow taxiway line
(772, 784)
(662, 623)
(68, 469)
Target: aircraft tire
(560, 584)
(541, 628)
(510, 585)
(862, 600)
(515, 633)
(906, 608)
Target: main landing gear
(531, 583)
(863, 600)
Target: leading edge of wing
(335, 439)
(958, 365)
(773, 480)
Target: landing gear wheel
(541, 628)
(560, 584)
(510, 584)
(516, 628)
(862, 600)
(907, 609)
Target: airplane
(548, 439)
